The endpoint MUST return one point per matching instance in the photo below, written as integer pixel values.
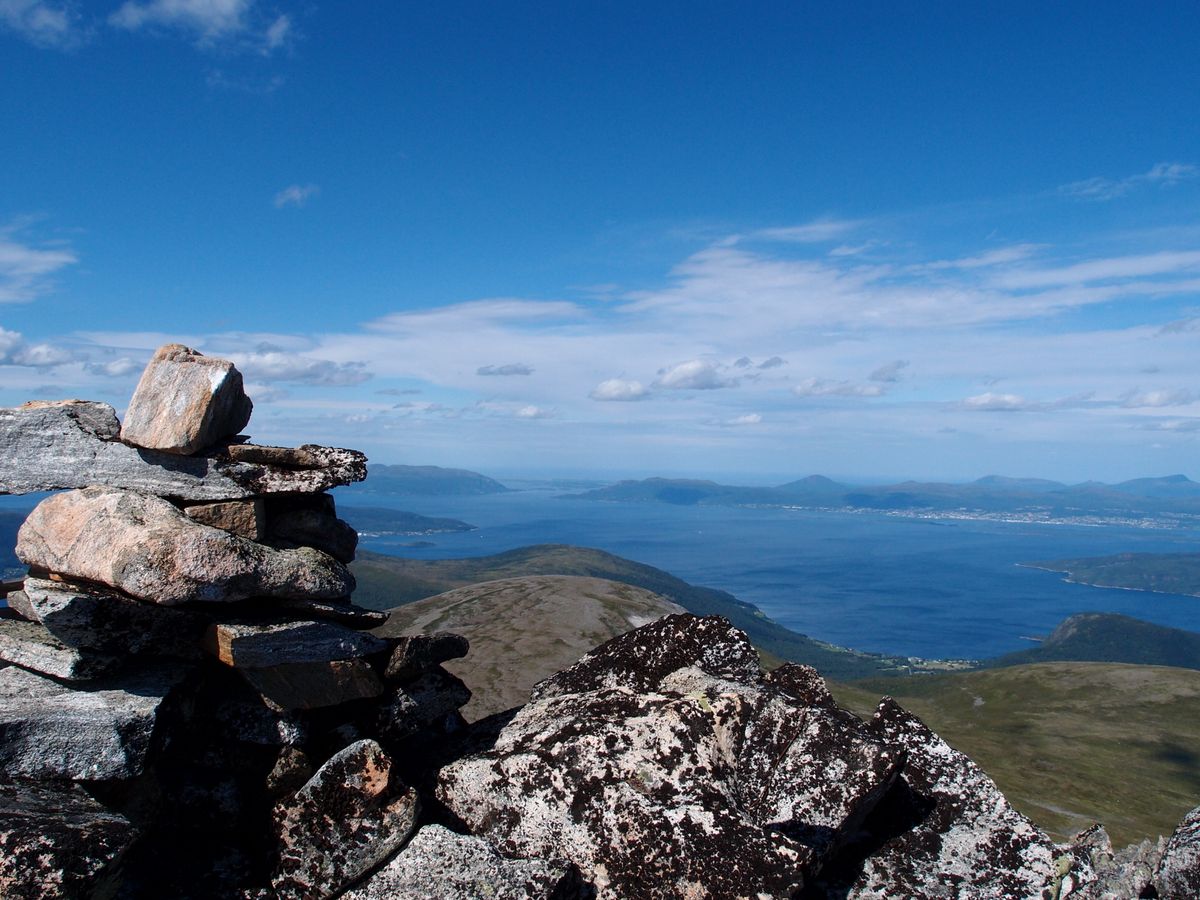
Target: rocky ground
(191, 706)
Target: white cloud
(278, 34)
(1163, 174)
(15, 351)
(825, 387)
(41, 23)
(533, 412)
(815, 232)
(27, 271)
(508, 369)
(1137, 399)
(618, 389)
(747, 419)
(992, 402)
(275, 365)
(208, 19)
(1119, 268)
(296, 195)
(115, 368)
(694, 375)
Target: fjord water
(885, 584)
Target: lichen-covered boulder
(185, 402)
(144, 546)
(56, 841)
(664, 765)
(349, 817)
(439, 863)
(945, 830)
(1178, 875)
(430, 702)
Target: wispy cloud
(275, 365)
(41, 23)
(694, 375)
(507, 369)
(818, 231)
(27, 270)
(1163, 174)
(890, 372)
(239, 24)
(825, 387)
(994, 402)
(296, 195)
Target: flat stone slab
(349, 817)
(55, 840)
(416, 654)
(31, 646)
(73, 444)
(439, 863)
(147, 548)
(245, 518)
(93, 618)
(99, 732)
(257, 646)
(185, 401)
(315, 685)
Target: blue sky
(740, 240)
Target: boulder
(945, 830)
(245, 518)
(1114, 875)
(424, 705)
(1178, 875)
(317, 684)
(416, 654)
(104, 621)
(18, 602)
(72, 444)
(144, 546)
(439, 863)
(95, 733)
(185, 402)
(690, 775)
(349, 817)
(259, 646)
(31, 646)
(56, 841)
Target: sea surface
(904, 586)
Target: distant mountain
(377, 520)
(990, 494)
(1171, 573)
(1109, 637)
(424, 481)
(573, 615)
(387, 581)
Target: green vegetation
(1172, 573)
(1109, 637)
(1068, 743)
(385, 582)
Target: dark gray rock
(948, 831)
(1100, 873)
(104, 621)
(100, 732)
(416, 654)
(310, 528)
(437, 863)
(185, 402)
(145, 547)
(313, 685)
(56, 841)
(423, 704)
(700, 780)
(349, 817)
(247, 645)
(18, 602)
(1178, 875)
(30, 645)
(344, 613)
(71, 444)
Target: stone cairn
(191, 707)
(190, 704)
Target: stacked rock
(190, 705)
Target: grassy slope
(1068, 743)
(572, 616)
(385, 582)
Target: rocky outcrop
(190, 707)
